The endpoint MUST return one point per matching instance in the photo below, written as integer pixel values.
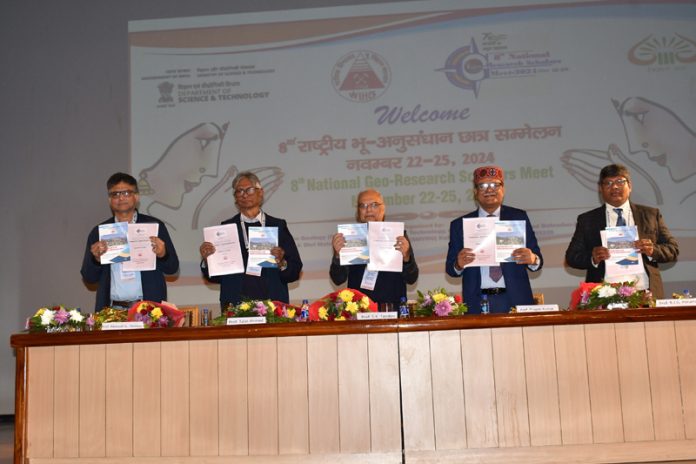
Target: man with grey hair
(388, 287)
(273, 282)
(655, 242)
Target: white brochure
(116, 237)
(355, 251)
(261, 241)
(143, 258)
(479, 235)
(381, 240)
(509, 236)
(624, 259)
(227, 258)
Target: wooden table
(582, 386)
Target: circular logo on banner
(361, 76)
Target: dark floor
(6, 442)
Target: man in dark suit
(506, 285)
(273, 282)
(655, 242)
(119, 288)
(385, 287)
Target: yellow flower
(346, 295)
(40, 312)
(270, 304)
(156, 313)
(438, 297)
(340, 318)
(244, 306)
(291, 313)
(142, 306)
(323, 313)
(352, 307)
(365, 302)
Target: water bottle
(403, 308)
(205, 320)
(304, 312)
(485, 306)
(687, 293)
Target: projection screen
(409, 98)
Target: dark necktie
(620, 221)
(495, 272)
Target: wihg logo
(361, 76)
(165, 90)
(663, 51)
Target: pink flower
(443, 308)
(260, 308)
(585, 298)
(90, 321)
(61, 316)
(626, 290)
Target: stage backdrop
(409, 98)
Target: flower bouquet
(273, 311)
(619, 295)
(155, 315)
(106, 315)
(341, 306)
(438, 303)
(56, 319)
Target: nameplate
(123, 325)
(370, 316)
(246, 320)
(537, 308)
(675, 302)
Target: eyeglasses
(122, 193)
(489, 185)
(245, 191)
(618, 182)
(373, 205)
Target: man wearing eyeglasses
(118, 288)
(273, 282)
(655, 242)
(506, 285)
(389, 287)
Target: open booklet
(492, 240)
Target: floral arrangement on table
(604, 295)
(438, 303)
(155, 315)
(57, 319)
(342, 305)
(107, 314)
(273, 311)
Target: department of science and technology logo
(467, 67)
(663, 51)
(165, 89)
(361, 76)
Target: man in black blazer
(119, 288)
(506, 285)
(387, 287)
(655, 242)
(273, 282)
